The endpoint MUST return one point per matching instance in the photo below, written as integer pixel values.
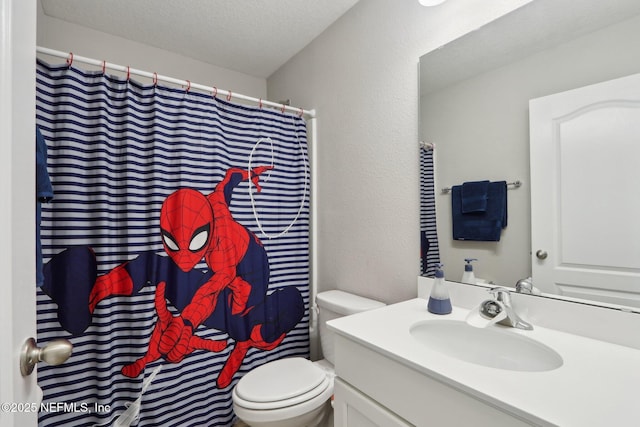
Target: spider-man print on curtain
(163, 258)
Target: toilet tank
(334, 304)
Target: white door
(17, 214)
(585, 192)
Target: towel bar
(514, 184)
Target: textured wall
(361, 75)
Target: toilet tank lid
(345, 303)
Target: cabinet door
(354, 409)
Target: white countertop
(597, 385)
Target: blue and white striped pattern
(116, 150)
(428, 224)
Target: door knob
(54, 353)
(541, 254)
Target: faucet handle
(501, 294)
(503, 300)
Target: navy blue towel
(424, 251)
(44, 193)
(475, 195)
(480, 226)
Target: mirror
(474, 107)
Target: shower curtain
(175, 249)
(429, 249)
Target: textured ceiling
(534, 27)
(254, 37)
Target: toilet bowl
(291, 392)
(295, 392)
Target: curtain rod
(70, 57)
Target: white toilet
(295, 392)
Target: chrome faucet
(525, 286)
(500, 303)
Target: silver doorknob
(541, 254)
(54, 353)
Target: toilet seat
(282, 383)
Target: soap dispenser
(468, 276)
(439, 301)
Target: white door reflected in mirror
(584, 204)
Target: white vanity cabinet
(386, 376)
(374, 390)
(355, 409)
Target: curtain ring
(260, 104)
(128, 72)
(104, 66)
(215, 92)
(229, 96)
(282, 109)
(155, 79)
(301, 113)
(70, 59)
(188, 85)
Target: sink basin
(493, 346)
